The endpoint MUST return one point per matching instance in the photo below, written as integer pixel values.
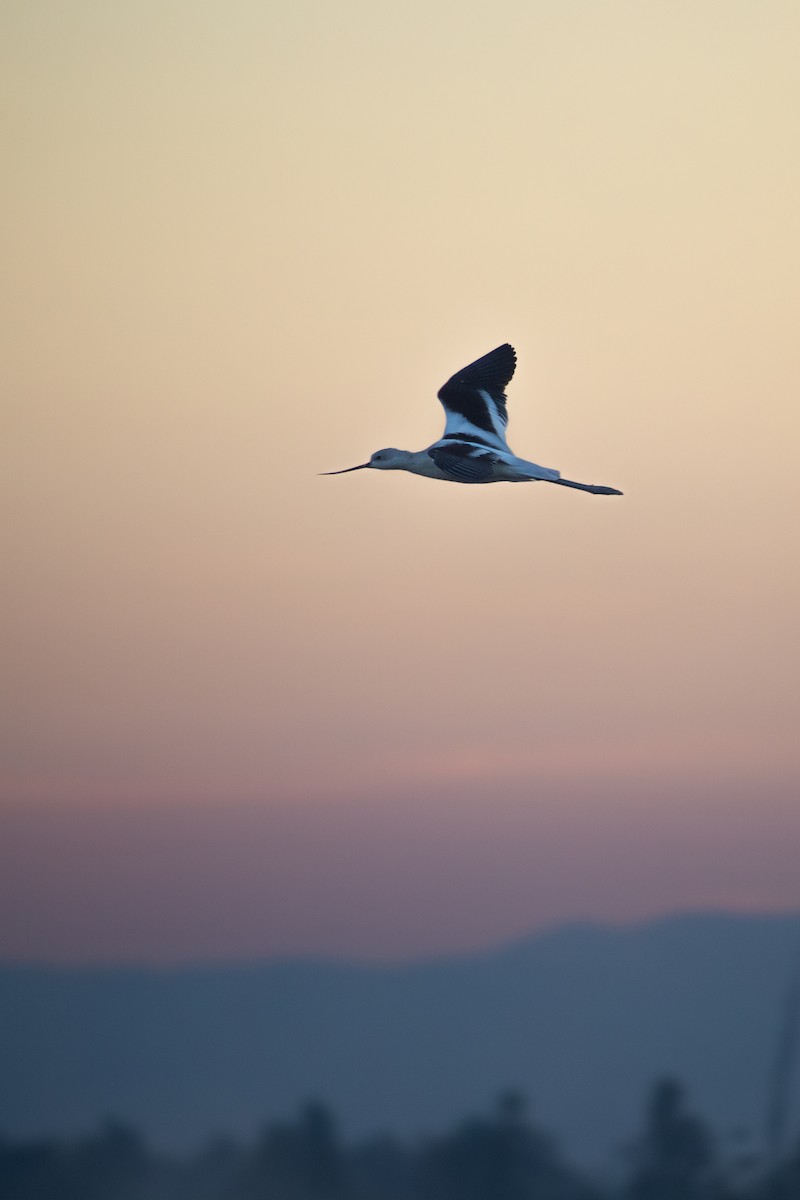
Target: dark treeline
(501, 1156)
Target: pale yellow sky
(246, 243)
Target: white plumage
(473, 448)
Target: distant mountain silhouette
(581, 1019)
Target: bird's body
(473, 448)
(463, 461)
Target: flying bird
(473, 448)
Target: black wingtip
(493, 371)
(500, 363)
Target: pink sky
(384, 877)
(250, 710)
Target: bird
(473, 448)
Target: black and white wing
(474, 399)
(464, 462)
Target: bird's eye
(377, 456)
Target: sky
(252, 711)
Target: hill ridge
(581, 1018)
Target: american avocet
(474, 447)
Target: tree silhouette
(502, 1157)
(212, 1172)
(114, 1164)
(299, 1161)
(31, 1171)
(783, 1182)
(674, 1158)
(383, 1169)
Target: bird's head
(382, 460)
(389, 459)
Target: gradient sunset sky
(251, 711)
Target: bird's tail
(594, 488)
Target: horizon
(583, 1021)
(371, 964)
